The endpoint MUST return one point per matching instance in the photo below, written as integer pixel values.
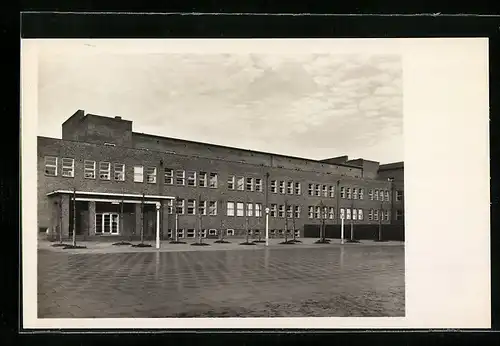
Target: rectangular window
(318, 190)
(387, 198)
(180, 206)
(249, 209)
(282, 187)
(375, 214)
(180, 177)
(203, 233)
(342, 192)
(325, 213)
(170, 206)
(119, 173)
(274, 210)
(310, 212)
(169, 233)
(191, 178)
(258, 184)
(212, 232)
(325, 191)
(258, 209)
(296, 212)
(202, 179)
(370, 215)
(104, 170)
(360, 214)
(331, 213)
(354, 214)
(202, 207)
(240, 184)
(274, 188)
(348, 190)
(180, 233)
(89, 169)
(361, 193)
(354, 193)
(190, 233)
(317, 212)
(298, 189)
(212, 208)
(151, 175)
(370, 194)
(376, 195)
(68, 167)
(249, 184)
(332, 191)
(51, 166)
(310, 189)
(138, 174)
(281, 211)
(169, 176)
(348, 213)
(289, 211)
(342, 213)
(230, 182)
(399, 196)
(399, 214)
(212, 183)
(240, 211)
(289, 187)
(230, 209)
(386, 215)
(230, 232)
(381, 195)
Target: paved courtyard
(352, 280)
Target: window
(180, 206)
(289, 187)
(317, 212)
(342, 213)
(399, 195)
(109, 144)
(361, 193)
(325, 191)
(240, 209)
(387, 198)
(191, 178)
(230, 232)
(151, 175)
(202, 179)
(281, 211)
(370, 215)
(386, 215)
(212, 232)
(325, 213)
(310, 190)
(342, 192)
(213, 181)
(360, 214)
(331, 213)
(169, 233)
(348, 213)
(274, 210)
(318, 190)
(258, 184)
(203, 233)
(51, 166)
(296, 212)
(376, 195)
(249, 209)
(310, 212)
(258, 209)
(89, 169)
(68, 167)
(230, 182)
(180, 233)
(119, 173)
(212, 208)
(375, 214)
(297, 189)
(348, 190)
(138, 174)
(354, 193)
(273, 232)
(354, 214)
(274, 188)
(370, 194)
(240, 184)
(282, 187)
(332, 191)
(170, 206)
(399, 214)
(169, 176)
(180, 177)
(202, 208)
(297, 233)
(249, 184)
(230, 209)
(289, 211)
(190, 233)
(104, 170)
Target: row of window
(288, 187)
(181, 208)
(244, 184)
(191, 233)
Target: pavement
(306, 280)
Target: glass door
(107, 223)
(114, 223)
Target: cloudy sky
(309, 105)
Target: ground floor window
(212, 232)
(180, 233)
(297, 233)
(190, 233)
(107, 223)
(203, 233)
(230, 232)
(169, 233)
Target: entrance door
(107, 223)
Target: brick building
(123, 181)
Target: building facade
(103, 179)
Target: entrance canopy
(111, 197)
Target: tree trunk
(142, 220)
(74, 218)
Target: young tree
(286, 222)
(74, 217)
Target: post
(74, 217)
(267, 226)
(142, 219)
(60, 222)
(342, 230)
(120, 222)
(286, 222)
(157, 225)
(176, 227)
(380, 223)
(352, 224)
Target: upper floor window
(202, 179)
(310, 189)
(230, 182)
(213, 181)
(258, 184)
(332, 191)
(240, 211)
(317, 212)
(191, 207)
(68, 167)
(325, 213)
(354, 214)
(274, 187)
(119, 173)
(249, 184)
(318, 190)
(89, 169)
(399, 214)
(370, 215)
(342, 213)
(258, 209)
(104, 170)
(289, 211)
(310, 212)
(282, 187)
(375, 214)
(170, 206)
(331, 213)
(399, 195)
(360, 214)
(180, 206)
(240, 184)
(289, 187)
(151, 175)
(370, 194)
(202, 208)
(230, 209)
(191, 178)
(297, 189)
(212, 208)
(386, 215)
(387, 195)
(281, 210)
(348, 213)
(274, 210)
(51, 165)
(354, 193)
(169, 176)
(376, 195)
(138, 174)
(180, 177)
(361, 193)
(342, 192)
(348, 190)
(325, 191)
(249, 209)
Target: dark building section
(123, 182)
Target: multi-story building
(122, 181)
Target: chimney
(119, 118)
